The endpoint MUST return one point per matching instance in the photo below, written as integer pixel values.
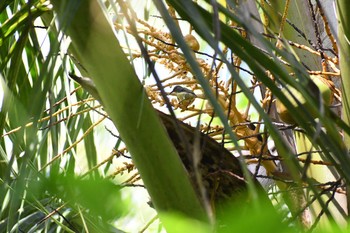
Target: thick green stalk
(127, 104)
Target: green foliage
(100, 196)
(249, 217)
(44, 185)
(177, 223)
(238, 216)
(64, 201)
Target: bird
(184, 96)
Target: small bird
(88, 84)
(184, 95)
